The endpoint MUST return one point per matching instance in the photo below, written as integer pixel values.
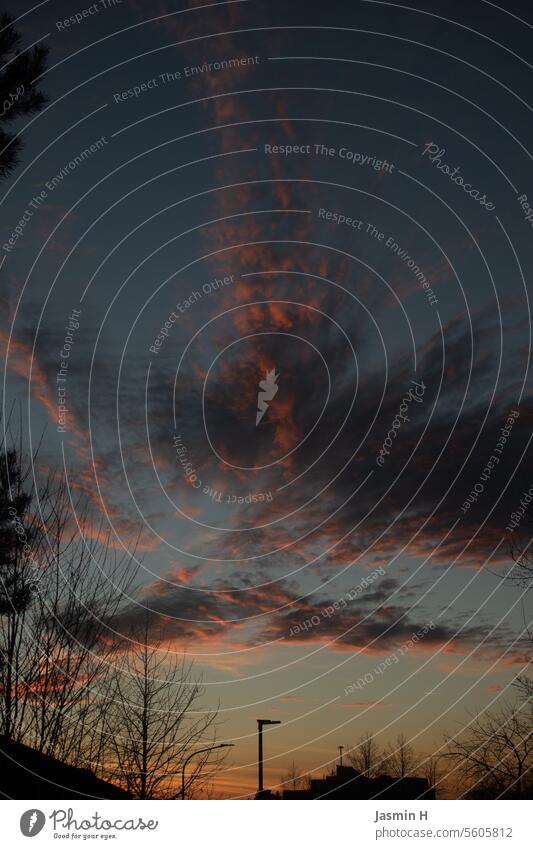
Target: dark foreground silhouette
(28, 774)
(346, 783)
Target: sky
(324, 207)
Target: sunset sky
(204, 240)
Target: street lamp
(260, 723)
(199, 752)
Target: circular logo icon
(32, 822)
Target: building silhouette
(345, 782)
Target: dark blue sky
(208, 217)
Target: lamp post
(199, 752)
(260, 723)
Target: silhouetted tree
(59, 592)
(19, 94)
(431, 768)
(521, 548)
(399, 758)
(524, 685)
(366, 756)
(21, 542)
(84, 583)
(494, 756)
(154, 721)
(293, 778)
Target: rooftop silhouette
(345, 782)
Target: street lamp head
(270, 721)
(200, 752)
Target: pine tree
(19, 92)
